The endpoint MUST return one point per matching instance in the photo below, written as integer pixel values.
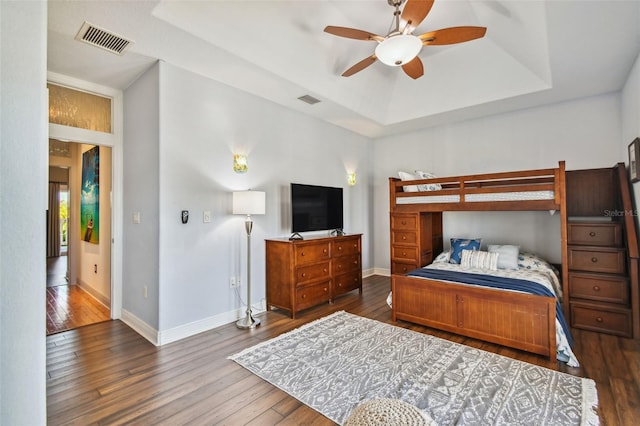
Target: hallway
(69, 306)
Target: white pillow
(408, 176)
(479, 259)
(508, 255)
(427, 187)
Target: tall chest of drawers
(599, 291)
(416, 238)
(305, 273)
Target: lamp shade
(398, 50)
(248, 202)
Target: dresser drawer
(599, 287)
(305, 274)
(344, 248)
(595, 234)
(346, 263)
(597, 259)
(401, 222)
(588, 317)
(310, 253)
(402, 267)
(344, 283)
(407, 254)
(404, 238)
(312, 295)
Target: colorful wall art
(90, 198)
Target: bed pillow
(442, 257)
(459, 244)
(430, 186)
(408, 176)
(479, 260)
(508, 258)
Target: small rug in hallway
(340, 361)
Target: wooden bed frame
(522, 321)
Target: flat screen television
(315, 208)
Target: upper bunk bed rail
(539, 189)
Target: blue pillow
(459, 244)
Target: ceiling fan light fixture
(398, 50)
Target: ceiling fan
(401, 47)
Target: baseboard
(160, 338)
(368, 272)
(101, 298)
(385, 272)
(140, 327)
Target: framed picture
(634, 160)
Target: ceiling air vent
(309, 99)
(104, 39)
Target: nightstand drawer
(305, 274)
(344, 248)
(595, 234)
(408, 254)
(346, 264)
(599, 287)
(312, 295)
(404, 238)
(310, 253)
(344, 283)
(616, 322)
(402, 267)
(400, 222)
(597, 259)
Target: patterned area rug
(340, 361)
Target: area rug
(340, 361)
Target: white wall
(23, 183)
(584, 133)
(141, 194)
(631, 119)
(94, 260)
(181, 131)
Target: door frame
(113, 140)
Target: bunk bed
(511, 318)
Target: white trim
(113, 140)
(140, 327)
(385, 272)
(368, 272)
(100, 298)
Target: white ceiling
(535, 52)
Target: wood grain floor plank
(106, 373)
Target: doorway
(78, 272)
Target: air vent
(104, 39)
(309, 99)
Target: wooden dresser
(598, 280)
(415, 239)
(306, 273)
(602, 252)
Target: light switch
(136, 217)
(206, 216)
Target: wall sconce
(240, 163)
(351, 178)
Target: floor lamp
(248, 203)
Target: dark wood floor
(107, 374)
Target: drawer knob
(304, 296)
(339, 267)
(404, 222)
(324, 270)
(594, 259)
(592, 234)
(339, 284)
(324, 250)
(304, 274)
(599, 319)
(340, 248)
(325, 289)
(302, 254)
(596, 288)
(404, 237)
(355, 262)
(404, 253)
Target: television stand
(295, 237)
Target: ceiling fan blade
(360, 66)
(414, 68)
(452, 35)
(414, 13)
(352, 33)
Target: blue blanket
(493, 281)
